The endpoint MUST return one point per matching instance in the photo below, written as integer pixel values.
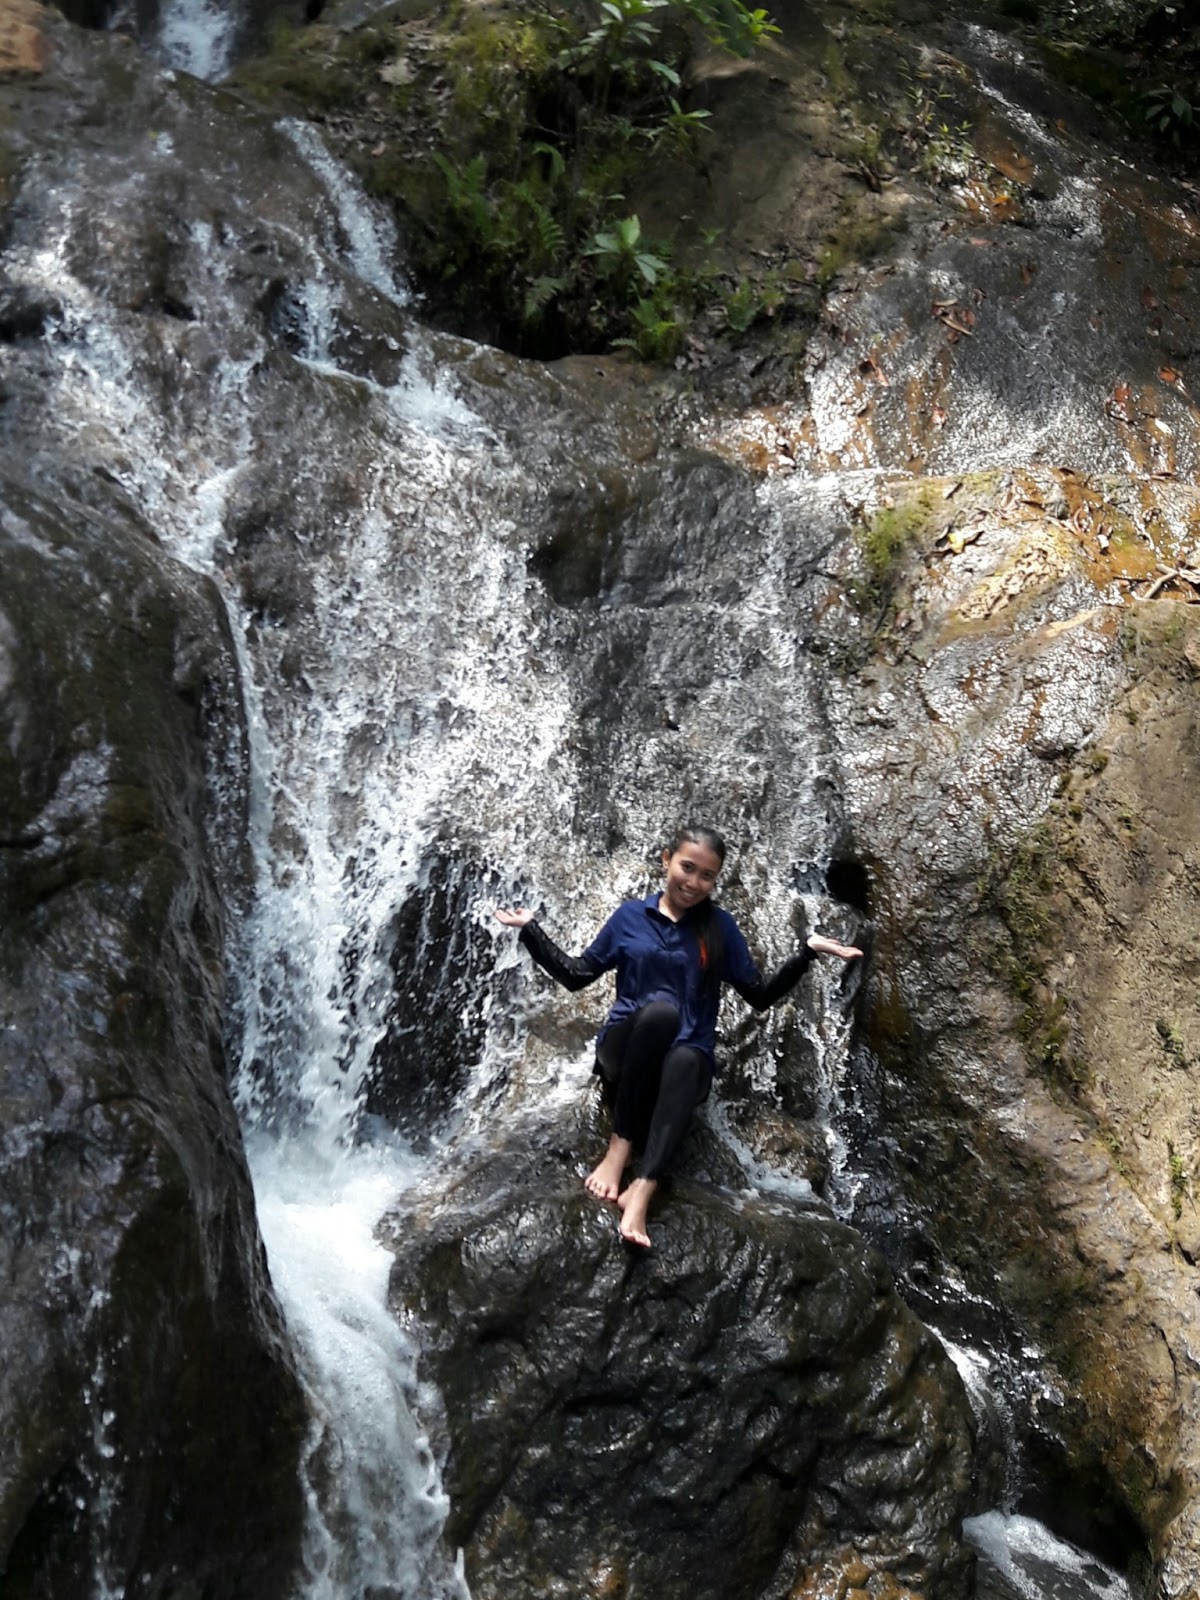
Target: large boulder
(149, 1416)
(708, 1419)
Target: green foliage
(1172, 1042)
(678, 129)
(940, 141)
(882, 541)
(750, 301)
(657, 335)
(1170, 113)
(1178, 1180)
(622, 257)
(466, 194)
(519, 220)
(733, 25)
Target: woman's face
(691, 873)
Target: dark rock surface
(705, 1419)
(151, 1422)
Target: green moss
(1178, 1180)
(1163, 635)
(859, 238)
(306, 71)
(833, 62)
(1017, 887)
(1172, 1042)
(883, 541)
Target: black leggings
(655, 1083)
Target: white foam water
(196, 36)
(373, 1487)
(1036, 1564)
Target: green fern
(540, 293)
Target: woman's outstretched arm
(761, 992)
(573, 972)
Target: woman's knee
(659, 1017)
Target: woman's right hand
(518, 917)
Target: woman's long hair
(703, 917)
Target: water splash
(1036, 1564)
(197, 37)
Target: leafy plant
(1169, 112)
(679, 129)
(658, 334)
(467, 194)
(623, 25)
(749, 301)
(518, 226)
(942, 146)
(620, 253)
(733, 25)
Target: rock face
(708, 1419)
(1033, 1007)
(151, 1419)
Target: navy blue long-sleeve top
(657, 959)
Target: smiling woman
(671, 953)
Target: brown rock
(23, 43)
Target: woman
(671, 951)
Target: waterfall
(415, 729)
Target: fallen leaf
(1028, 268)
(982, 244)
(1149, 299)
(1118, 406)
(1094, 320)
(960, 539)
(941, 305)
(957, 327)
(938, 415)
(1160, 426)
(1169, 375)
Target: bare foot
(634, 1204)
(604, 1181)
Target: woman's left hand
(821, 946)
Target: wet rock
(431, 1039)
(150, 1416)
(1038, 928)
(705, 1418)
